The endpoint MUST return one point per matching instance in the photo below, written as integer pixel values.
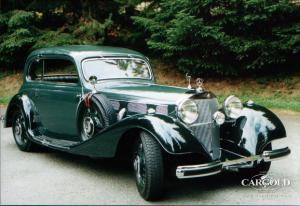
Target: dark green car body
(52, 109)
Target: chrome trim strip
(180, 171)
(200, 124)
(180, 174)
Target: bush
(3, 23)
(54, 38)
(225, 37)
(92, 31)
(21, 19)
(17, 38)
(14, 47)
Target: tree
(26, 25)
(226, 37)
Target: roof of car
(85, 51)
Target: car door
(57, 97)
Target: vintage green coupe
(103, 101)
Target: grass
(10, 83)
(5, 100)
(271, 101)
(276, 92)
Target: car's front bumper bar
(201, 170)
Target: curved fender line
(24, 103)
(254, 129)
(171, 135)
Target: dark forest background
(203, 37)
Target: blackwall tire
(108, 110)
(148, 167)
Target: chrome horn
(199, 83)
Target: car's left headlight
(188, 111)
(233, 107)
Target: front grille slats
(207, 133)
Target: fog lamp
(219, 117)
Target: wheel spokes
(19, 130)
(92, 123)
(139, 165)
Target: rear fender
(252, 131)
(22, 102)
(173, 136)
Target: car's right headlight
(233, 107)
(188, 111)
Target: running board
(56, 143)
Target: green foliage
(3, 23)
(224, 37)
(21, 19)
(17, 39)
(5, 100)
(28, 25)
(13, 46)
(92, 31)
(54, 38)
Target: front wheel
(148, 167)
(19, 129)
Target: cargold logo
(265, 182)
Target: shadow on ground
(174, 188)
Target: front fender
(252, 131)
(173, 136)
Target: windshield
(115, 68)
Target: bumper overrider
(202, 170)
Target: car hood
(148, 93)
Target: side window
(58, 67)
(36, 70)
(53, 70)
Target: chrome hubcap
(139, 166)
(18, 131)
(88, 127)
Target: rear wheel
(19, 129)
(148, 167)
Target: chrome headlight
(233, 107)
(219, 117)
(188, 111)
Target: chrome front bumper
(202, 170)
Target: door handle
(78, 96)
(36, 93)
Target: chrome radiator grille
(206, 131)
